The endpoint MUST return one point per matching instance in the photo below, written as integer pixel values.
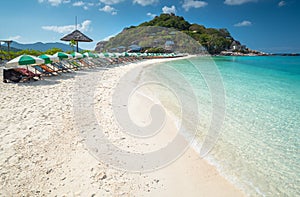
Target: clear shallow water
(258, 148)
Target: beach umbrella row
(62, 55)
(46, 59)
(89, 54)
(49, 58)
(77, 55)
(24, 60)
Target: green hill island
(171, 33)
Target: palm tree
(72, 44)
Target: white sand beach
(43, 154)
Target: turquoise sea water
(258, 147)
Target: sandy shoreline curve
(41, 152)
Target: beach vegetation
(4, 55)
(53, 51)
(212, 39)
(72, 44)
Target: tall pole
(76, 29)
(8, 47)
(75, 22)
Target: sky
(265, 25)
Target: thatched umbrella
(77, 36)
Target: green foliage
(197, 28)
(155, 50)
(29, 52)
(154, 37)
(214, 40)
(169, 21)
(4, 55)
(13, 54)
(73, 44)
(53, 51)
(83, 51)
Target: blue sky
(266, 25)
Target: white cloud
(169, 10)
(145, 2)
(151, 15)
(84, 26)
(281, 3)
(243, 24)
(111, 2)
(84, 5)
(237, 2)
(55, 2)
(78, 3)
(108, 9)
(187, 4)
(14, 37)
(59, 29)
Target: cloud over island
(281, 3)
(84, 26)
(243, 24)
(151, 15)
(109, 9)
(169, 10)
(238, 2)
(145, 2)
(54, 2)
(187, 4)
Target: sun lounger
(27, 74)
(48, 69)
(87, 63)
(55, 68)
(68, 65)
(60, 67)
(42, 71)
(74, 64)
(101, 61)
(112, 61)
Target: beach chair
(65, 66)
(82, 64)
(101, 61)
(74, 64)
(42, 71)
(87, 63)
(28, 75)
(48, 69)
(55, 68)
(68, 65)
(111, 61)
(60, 67)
